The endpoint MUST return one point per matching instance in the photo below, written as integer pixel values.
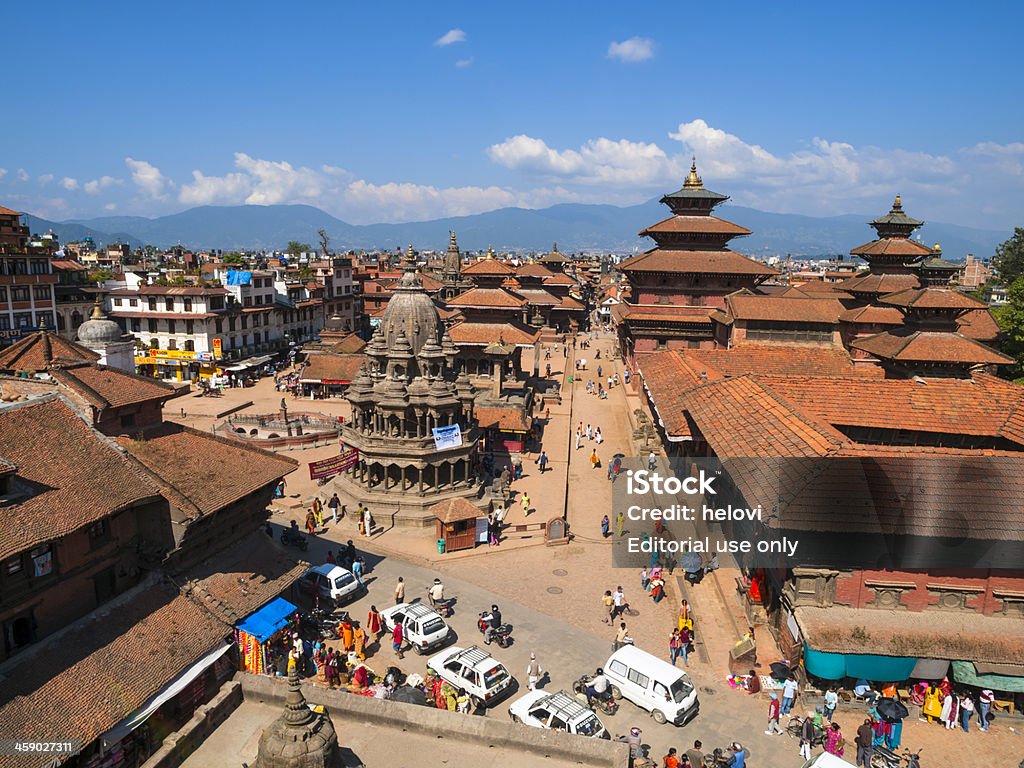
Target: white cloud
(463, 63)
(3, 172)
(23, 175)
(631, 50)
(394, 201)
(278, 182)
(147, 177)
(69, 183)
(110, 207)
(96, 185)
(45, 179)
(232, 188)
(451, 36)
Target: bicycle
(795, 728)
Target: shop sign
(205, 357)
(447, 437)
(334, 465)
(217, 347)
(173, 354)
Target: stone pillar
(496, 376)
(536, 358)
(420, 470)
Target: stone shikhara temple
(406, 387)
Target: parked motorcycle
(608, 704)
(323, 623)
(292, 537)
(501, 635)
(883, 757)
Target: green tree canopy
(295, 248)
(1010, 317)
(234, 258)
(99, 275)
(1009, 258)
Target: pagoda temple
(405, 390)
(674, 287)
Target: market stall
(262, 635)
(456, 524)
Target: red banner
(334, 465)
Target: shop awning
(836, 666)
(165, 694)
(252, 362)
(965, 672)
(930, 669)
(268, 619)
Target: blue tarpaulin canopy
(239, 277)
(268, 619)
(836, 666)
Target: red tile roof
(892, 247)
(879, 283)
(813, 290)
(170, 290)
(506, 419)
(8, 212)
(537, 296)
(329, 367)
(533, 269)
(351, 344)
(932, 298)
(430, 285)
(482, 334)
(662, 313)
(68, 265)
(978, 324)
(485, 267)
(781, 359)
(201, 473)
(105, 387)
(105, 667)
(745, 306)
(78, 476)
(487, 298)
(33, 353)
(568, 302)
(907, 345)
(872, 315)
(695, 224)
(722, 262)
(560, 279)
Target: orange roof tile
(745, 306)
(696, 225)
(872, 315)
(749, 358)
(330, 367)
(351, 344)
(907, 345)
(33, 353)
(932, 298)
(505, 419)
(978, 324)
(487, 298)
(879, 283)
(105, 387)
(723, 262)
(77, 475)
(560, 279)
(481, 334)
(533, 269)
(200, 473)
(485, 267)
(568, 302)
(538, 296)
(8, 212)
(892, 247)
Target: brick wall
(919, 591)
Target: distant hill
(575, 226)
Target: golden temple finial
(490, 252)
(693, 181)
(451, 238)
(554, 247)
(409, 254)
(97, 311)
(897, 204)
(937, 250)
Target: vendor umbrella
(890, 710)
(619, 456)
(780, 670)
(690, 562)
(409, 695)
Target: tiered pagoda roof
(893, 250)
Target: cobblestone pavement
(552, 594)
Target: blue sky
(403, 111)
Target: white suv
(329, 583)
(473, 669)
(424, 628)
(557, 711)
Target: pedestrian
(652, 461)
(279, 491)
(645, 578)
(609, 606)
(359, 641)
(350, 554)
(397, 637)
(806, 736)
(357, 571)
(374, 623)
(542, 462)
(670, 760)
(609, 382)
(619, 597)
(966, 710)
(685, 636)
(673, 646)
(831, 701)
(330, 558)
(773, 715)
(605, 527)
(367, 522)
(595, 462)
(657, 588)
(590, 434)
(318, 512)
(694, 756)
(620, 522)
(620, 636)
(526, 504)
(533, 672)
(547, 370)
(950, 713)
(616, 468)
(436, 593)
(598, 438)
(834, 742)
(864, 740)
(985, 699)
(599, 371)
(789, 689)
(625, 376)
(334, 504)
(577, 441)
(400, 591)
(311, 522)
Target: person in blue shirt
(739, 756)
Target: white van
(825, 760)
(652, 684)
(424, 628)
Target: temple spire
(693, 181)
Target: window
(171, 326)
(41, 293)
(5, 322)
(219, 324)
(169, 304)
(23, 320)
(154, 343)
(247, 301)
(172, 344)
(39, 267)
(3, 294)
(42, 560)
(190, 346)
(152, 304)
(151, 325)
(99, 532)
(245, 322)
(231, 323)
(190, 327)
(117, 302)
(13, 565)
(187, 305)
(217, 302)
(133, 302)
(638, 679)
(19, 293)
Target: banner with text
(447, 437)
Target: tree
(99, 276)
(1009, 258)
(1010, 317)
(295, 248)
(234, 258)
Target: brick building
(27, 280)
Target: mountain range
(574, 226)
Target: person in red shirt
(670, 760)
(773, 716)
(396, 641)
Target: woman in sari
(950, 714)
(834, 741)
(345, 630)
(932, 709)
(358, 641)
